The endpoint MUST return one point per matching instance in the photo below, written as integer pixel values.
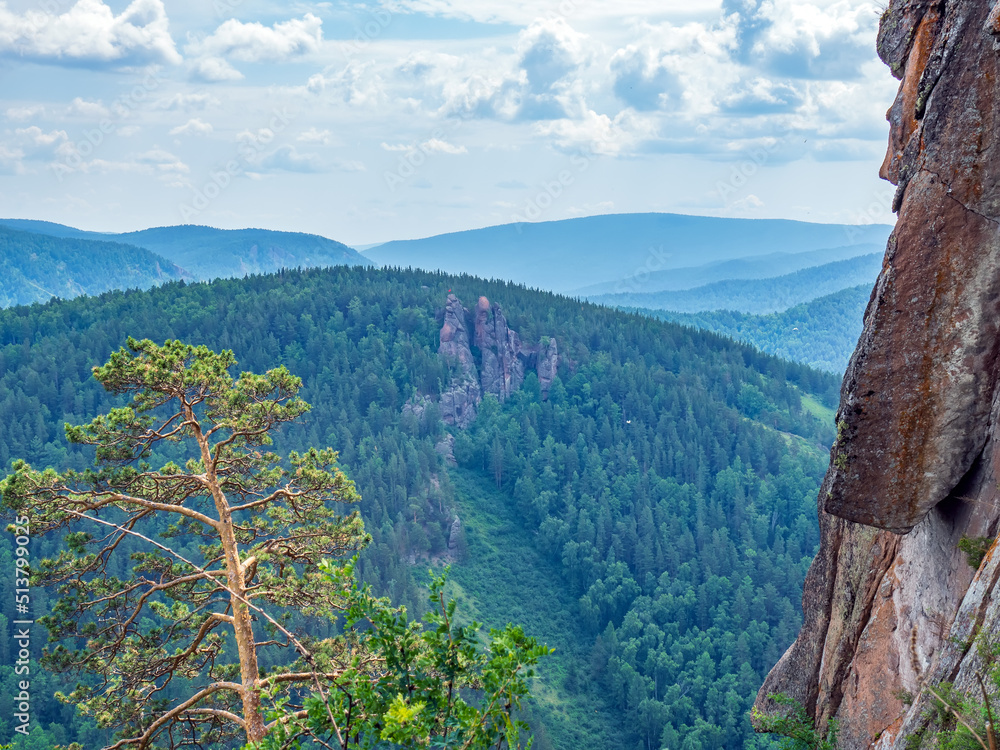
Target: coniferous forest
(651, 515)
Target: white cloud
(156, 162)
(20, 114)
(813, 40)
(39, 137)
(549, 51)
(90, 33)
(215, 70)
(10, 160)
(193, 126)
(598, 134)
(255, 42)
(437, 146)
(747, 204)
(312, 135)
(523, 12)
(162, 161)
(288, 159)
(90, 110)
(358, 84)
(350, 165)
(432, 146)
(188, 101)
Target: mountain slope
(208, 253)
(664, 485)
(821, 333)
(574, 253)
(35, 268)
(757, 296)
(759, 267)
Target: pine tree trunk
(246, 645)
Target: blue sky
(386, 119)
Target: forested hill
(822, 333)
(652, 517)
(35, 267)
(208, 253)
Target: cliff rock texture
(459, 401)
(501, 363)
(502, 370)
(890, 604)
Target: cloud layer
(90, 33)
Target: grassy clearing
(814, 407)
(512, 582)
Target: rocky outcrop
(459, 401)
(502, 359)
(502, 369)
(547, 363)
(456, 540)
(445, 447)
(890, 605)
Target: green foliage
(154, 642)
(793, 723)
(640, 489)
(407, 685)
(35, 268)
(821, 333)
(975, 549)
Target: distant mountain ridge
(206, 253)
(758, 296)
(760, 267)
(37, 267)
(571, 254)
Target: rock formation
(446, 449)
(455, 540)
(547, 363)
(502, 370)
(502, 363)
(890, 604)
(459, 401)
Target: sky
(394, 119)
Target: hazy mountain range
(35, 267)
(206, 253)
(568, 256)
(664, 262)
(758, 296)
(759, 267)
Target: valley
(651, 514)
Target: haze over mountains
(206, 253)
(654, 262)
(35, 268)
(758, 267)
(758, 296)
(567, 256)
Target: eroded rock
(502, 369)
(502, 363)
(890, 599)
(459, 401)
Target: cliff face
(459, 402)
(890, 604)
(502, 360)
